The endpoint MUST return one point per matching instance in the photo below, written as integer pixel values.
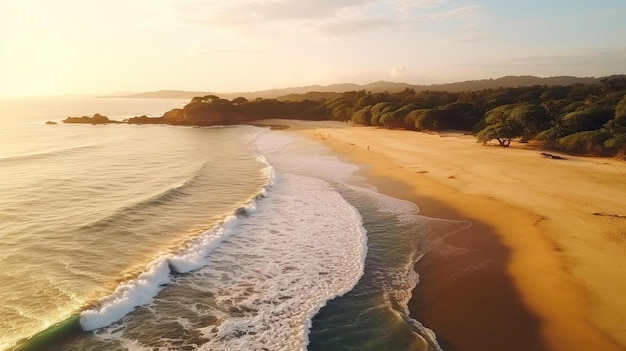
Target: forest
(580, 118)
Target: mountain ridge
(379, 86)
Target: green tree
(410, 120)
(378, 110)
(341, 108)
(500, 98)
(428, 119)
(363, 116)
(586, 118)
(532, 118)
(616, 144)
(555, 93)
(393, 119)
(459, 115)
(620, 108)
(590, 142)
(239, 101)
(500, 126)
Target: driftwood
(554, 157)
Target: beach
(541, 265)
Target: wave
(274, 264)
(47, 154)
(160, 198)
(141, 290)
(303, 246)
(49, 338)
(172, 194)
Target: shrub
(585, 119)
(589, 142)
(363, 116)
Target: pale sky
(104, 46)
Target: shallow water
(174, 238)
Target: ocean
(151, 237)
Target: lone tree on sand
(500, 126)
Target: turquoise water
(152, 237)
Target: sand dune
(564, 220)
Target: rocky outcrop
(145, 120)
(95, 119)
(175, 116)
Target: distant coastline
(588, 116)
(374, 87)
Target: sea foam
(141, 290)
(296, 247)
(304, 246)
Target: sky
(107, 46)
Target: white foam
(313, 160)
(304, 246)
(386, 203)
(268, 142)
(279, 148)
(301, 245)
(268, 171)
(141, 291)
(195, 256)
(127, 296)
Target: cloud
(323, 17)
(405, 9)
(459, 12)
(354, 26)
(305, 9)
(242, 13)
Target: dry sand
(562, 224)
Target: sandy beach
(542, 265)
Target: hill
(161, 94)
(329, 91)
(510, 82)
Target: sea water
(125, 237)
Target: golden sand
(563, 220)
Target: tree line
(581, 118)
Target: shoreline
(541, 294)
(461, 306)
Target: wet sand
(465, 294)
(542, 265)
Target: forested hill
(579, 118)
(467, 86)
(511, 82)
(315, 92)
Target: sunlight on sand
(563, 219)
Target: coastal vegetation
(577, 118)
